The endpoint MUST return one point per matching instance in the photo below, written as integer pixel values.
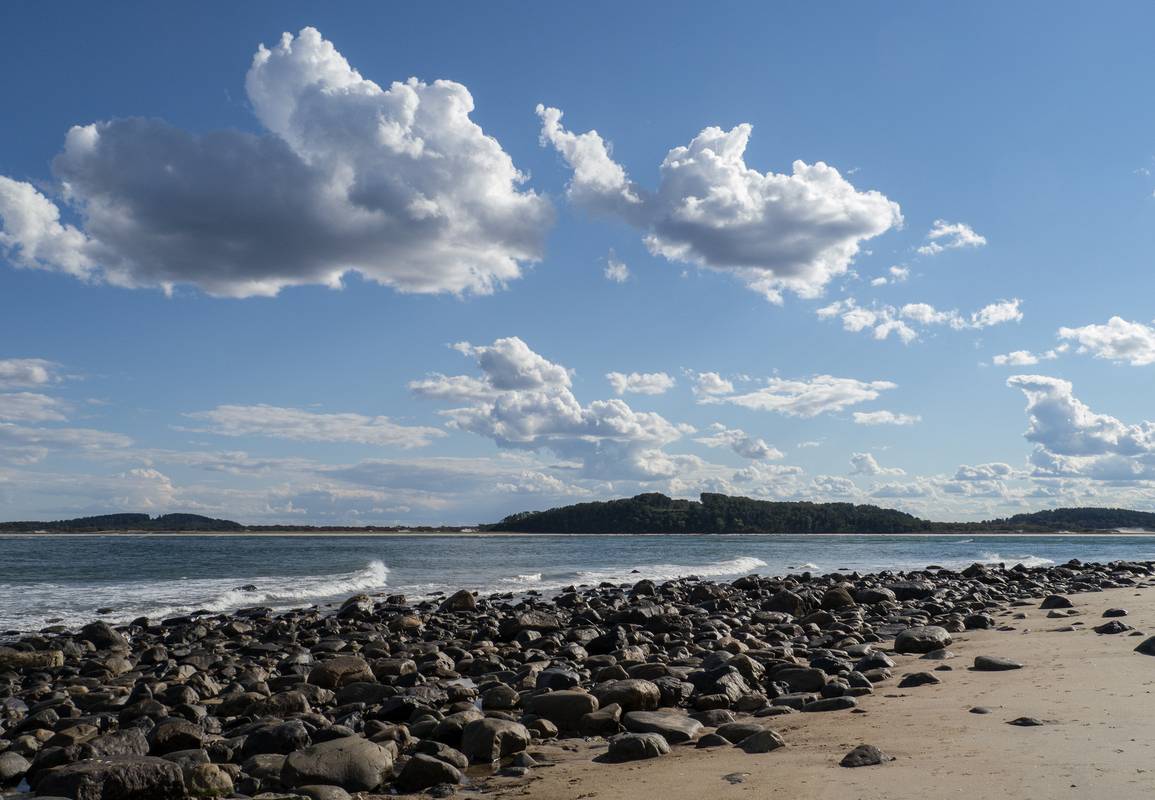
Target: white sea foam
(1026, 561)
(666, 572)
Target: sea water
(64, 579)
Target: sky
(439, 263)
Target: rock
(674, 728)
(30, 659)
(924, 639)
(103, 636)
(486, 740)
(341, 671)
(208, 780)
(734, 732)
(917, 679)
(1147, 647)
(1115, 612)
(1025, 722)
(803, 679)
(323, 792)
(13, 767)
(764, 741)
(712, 740)
(1112, 627)
(836, 598)
(995, 664)
(632, 694)
(174, 734)
(353, 763)
(115, 778)
(565, 708)
(636, 746)
(1055, 601)
(980, 710)
(422, 771)
(461, 600)
(865, 755)
(831, 704)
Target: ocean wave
(665, 572)
(1026, 561)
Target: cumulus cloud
(640, 382)
(707, 384)
(20, 373)
(883, 320)
(29, 444)
(524, 401)
(945, 235)
(616, 270)
(996, 470)
(1118, 340)
(1072, 440)
(997, 314)
(397, 184)
(308, 426)
(718, 435)
(897, 274)
(1025, 358)
(866, 464)
(820, 394)
(885, 418)
(775, 232)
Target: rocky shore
(478, 695)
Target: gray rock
(1055, 601)
(13, 766)
(735, 732)
(422, 771)
(923, 639)
(831, 704)
(995, 664)
(637, 746)
(632, 694)
(917, 679)
(565, 708)
(1147, 647)
(865, 755)
(764, 741)
(353, 763)
(673, 727)
(1026, 722)
(115, 778)
(486, 740)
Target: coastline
(494, 534)
(499, 696)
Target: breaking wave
(1026, 561)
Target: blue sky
(283, 288)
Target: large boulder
(637, 746)
(208, 780)
(30, 659)
(175, 734)
(13, 767)
(801, 679)
(115, 778)
(461, 600)
(565, 708)
(103, 636)
(673, 727)
(486, 740)
(632, 694)
(353, 763)
(537, 621)
(340, 671)
(422, 771)
(922, 639)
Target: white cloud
(885, 418)
(996, 470)
(740, 442)
(616, 271)
(1118, 340)
(397, 184)
(1025, 358)
(711, 383)
(866, 464)
(997, 314)
(32, 407)
(1072, 440)
(897, 274)
(524, 401)
(775, 232)
(950, 236)
(805, 398)
(19, 373)
(883, 320)
(307, 426)
(640, 382)
(24, 444)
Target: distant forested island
(719, 513)
(650, 513)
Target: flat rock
(353, 763)
(636, 747)
(1026, 722)
(674, 728)
(115, 778)
(865, 755)
(995, 664)
(917, 679)
(922, 639)
(764, 741)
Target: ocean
(65, 579)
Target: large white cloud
(804, 398)
(524, 401)
(867, 464)
(397, 184)
(775, 232)
(1118, 340)
(1072, 440)
(311, 426)
(742, 443)
(19, 373)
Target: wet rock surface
(389, 695)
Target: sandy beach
(1094, 694)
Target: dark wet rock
(637, 746)
(1112, 627)
(764, 741)
(980, 710)
(1026, 722)
(865, 755)
(673, 727)
(735, 732)
(115, 778)
(842, 703)
(712, 740)
(13, 767)
(917, 679)
(565, 708)
(1055, 601)
(1147, 647)
(353, 763)
(486, 740)
(208, 780)
(802, 679)
(922, 639)
(632, 694)
(422, 771)
(1115, 612)
(322, 793)
(341, 671)
(462, 600)
(995, 664)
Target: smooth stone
(831, 704)
(764, 741)
(353, 763)
(1026, 722)
(674, 728)
(636, 747)
(922, 639)
(995, 664)
(865, 755)
(1055, 601)
(917, 679)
